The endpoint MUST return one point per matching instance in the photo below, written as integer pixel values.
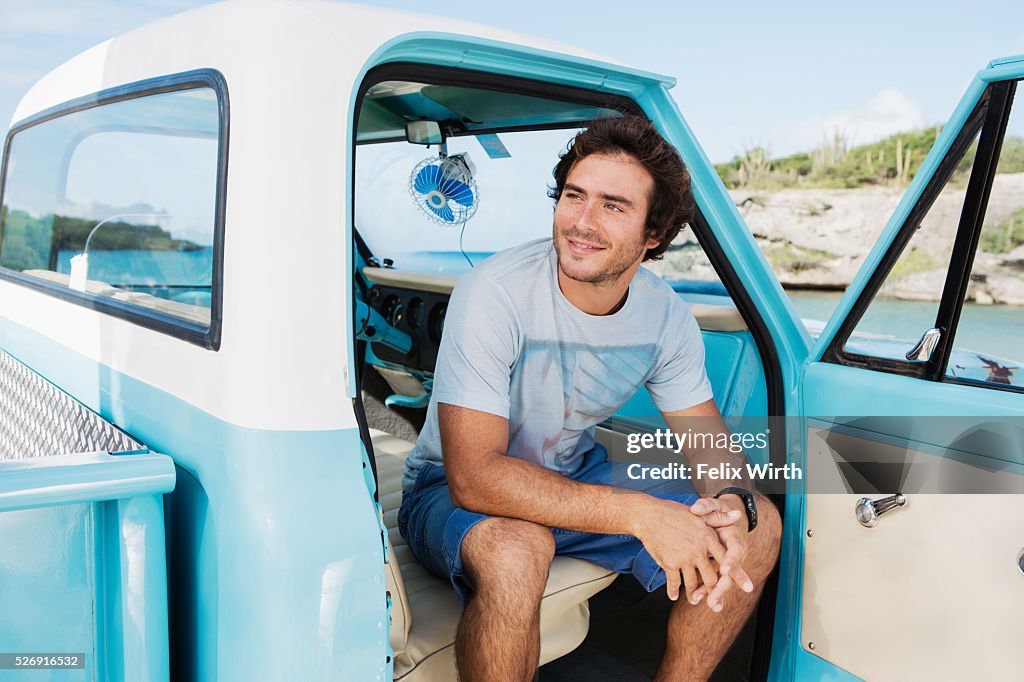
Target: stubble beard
(605, 277)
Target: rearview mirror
(424, 132)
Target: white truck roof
(259, 39)
(292, 69)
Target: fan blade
(426, 180)
(456, 191)
(444, 213)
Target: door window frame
(990, 115)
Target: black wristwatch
(748, 504)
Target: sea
(990, 329)
(996, 330)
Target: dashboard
(417, 313)
(414, 304)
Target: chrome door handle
(869, 511)
(922, 352)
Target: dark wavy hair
(671, 205)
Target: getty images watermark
(875, 456)
(664, 440)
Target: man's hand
(727, 516)
(681, 542)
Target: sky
(782, 75)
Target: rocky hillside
(818, 238)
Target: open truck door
(913, 519)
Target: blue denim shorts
(435, 528)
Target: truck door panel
(938, 579)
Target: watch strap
(748, 503)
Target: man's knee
(501, 552)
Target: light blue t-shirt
(514, 346)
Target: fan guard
(444, 189)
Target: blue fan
(444, 189)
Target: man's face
(600, 218)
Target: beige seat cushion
(425, 611)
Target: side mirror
(424, 132)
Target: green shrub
(1005, 236)
(835, 165)
(913, 261)
(795, 258)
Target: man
(542, 343)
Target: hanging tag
(493, 145)
(79, 271)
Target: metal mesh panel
(37, 419)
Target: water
(146, 267)
(990, 329)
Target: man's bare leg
(698, 637)
(507, 560)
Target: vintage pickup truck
(227, 243)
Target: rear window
(117, 204)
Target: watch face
(748, 504)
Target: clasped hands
(700, 547)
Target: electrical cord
(464, 254)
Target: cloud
(85, 17)
(18, 78)
(887, 112)
(1016, 46)
(49, 18)
(37, 35)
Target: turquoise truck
(226, 253)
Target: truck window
(956, 284)
(987, 345)
(118, 204)
(908, 300)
